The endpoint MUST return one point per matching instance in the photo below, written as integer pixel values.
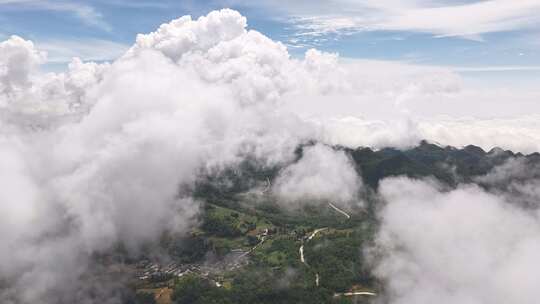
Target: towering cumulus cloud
(19, 59)
(98, 155)
(29, 97)
(461, 246)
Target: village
(158, 272)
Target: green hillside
(249, 249)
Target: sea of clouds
(98, 155)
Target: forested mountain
(250, 248)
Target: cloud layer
(459, 246)
(433, 17)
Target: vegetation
(141, 298)
(233, 219)
(253, 285)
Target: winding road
(358, 293)
(263, 238)
(313, 234)
(301, 250)
(339, 210)
(317, 277)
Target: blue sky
(498, 34)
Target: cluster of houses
(147, 270)
(153, 271)
(156, 272)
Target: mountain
(249, 248)
(449, 165)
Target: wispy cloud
(469, 20)
(139, 4)
(507, 68)
(62, 51)
(86, 13)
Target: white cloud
(439, 19)
(63, 51)
(518, 180)
(18, 58)
(87, 14)
(509, 68)
(357, 132)
(195, 95)
(184, 34)
(461, 246)
(381, 103)
(519, 134)
(24, 90)
(322, 174)
(137, 4)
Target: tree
(196, 290)
(140, 298)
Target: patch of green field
(231, 222)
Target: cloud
(104, 150)
(321, 174)
(383, 103)
(514, 170)
(478, 17)
(519, 134)
(517, 180)
(24, 90)
(185, 34)
(459, 246)
(18, 58)
(357, 132)
(87, 14)
(138, 4)
(510, 68)
(63, 51)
